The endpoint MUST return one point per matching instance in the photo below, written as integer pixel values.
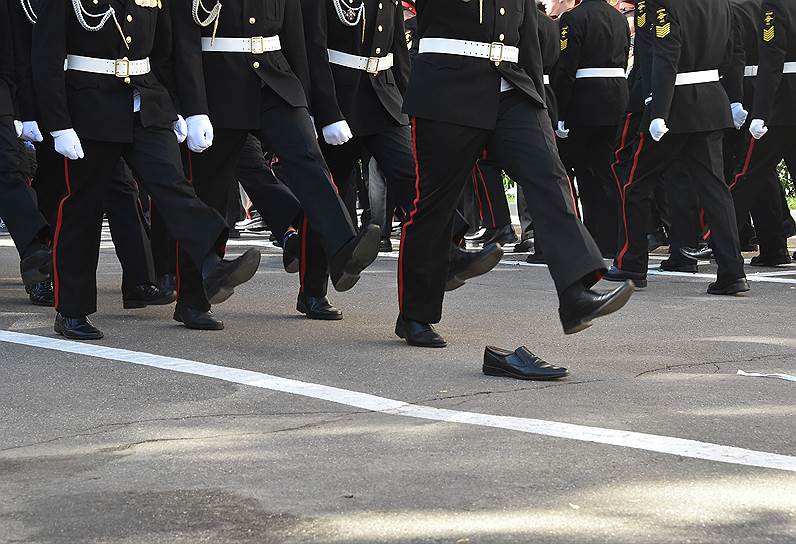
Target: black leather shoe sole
(734, 288)
(617, 300)
(490, 370)
(135, 304)
(239, 271)
(320, 316)
(487, 261)
(36, 268)
(198, 325)
(401, 333)
(364, 254)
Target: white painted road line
(628, 439)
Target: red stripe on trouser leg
(411, 218)
(746, 163)
(486, 193)
(703, 225)
(58, 225)
(622, 145)
(305, 225)
(477, 195)
(620, 257)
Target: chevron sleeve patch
(663, 26)
(769, 32)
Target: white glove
(337, 133)
(68, 144)
(18, 128)
(180, 129)
(658, 128)
(31, 132)
(739, 114)
(562, 131)
(758, 128)
(200, 133)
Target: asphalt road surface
(281, 429)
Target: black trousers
(493, 207)
(684, 209)
(120, 202)
(17, 206)
(392, 150)
(288, 133)
(756, 187)
(642, 161)
(154, 158)
(524, 144)
(589, 152)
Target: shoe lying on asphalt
(521, 364)
(76, 328)
(418, 334)
(317, 308)
(220, 277)
(346, 266)
(465, 265)
(146, 294)
(197, 319)
(41, 294)
(580, 306)
(733, 287)
(618, 275)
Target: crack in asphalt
(714, 363)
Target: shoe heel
(491, 371)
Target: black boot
(317, 308)
(220, 277)
(146, 294)
(465, 265)
(579, 306)
(197, 319)
(347, 264)
(76, 328)
(418, 334)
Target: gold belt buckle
(122, 68)
(496, 52)
(373, 65)
(258, 45)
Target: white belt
(119, 68)
(546, 79)
(256, 45)
(495, 51)
(693, 78)
(599, 72)
(371, 65)
(750, 71)
(789, 68)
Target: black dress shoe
(478, 236)
(579, 306)
(701, 253)
(679, 265)
(167, 283)
(525, 246)
(728, 287)
(618, 275)
(418, 334)
(536, 258)
(76, 328)
(36, 266)
(385, 245)
(220, 277)
(41, 294)
(317, 308)
(291, 249)
(346, 266)
(146, 294)
(502, 236)
(772, 259)
(197, 320)
(520, 364)
(465, 265)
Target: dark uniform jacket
(465, 90)
(640, 77)
(746, 22)
(690, 36)
(593, 35)
(551, 49)
(22, 35)
(775, 96)
(227, 86)
(7, 87)
(369, 103)
(100, 106)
